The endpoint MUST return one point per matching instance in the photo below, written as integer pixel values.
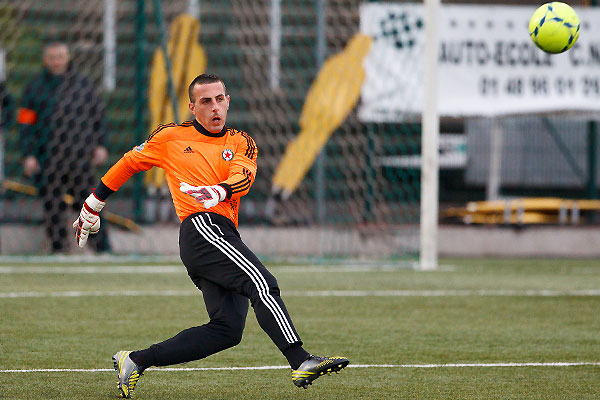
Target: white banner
(488, 65)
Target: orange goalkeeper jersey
(191, 154)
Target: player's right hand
(88, 222)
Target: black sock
(143, 358)
(296, 355)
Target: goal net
(329, 183)
(333, 93)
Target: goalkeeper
(208, 167)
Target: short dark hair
(202, 80)
(55, 43)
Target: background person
(61, 128)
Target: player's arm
(242, 172)
(141, 158)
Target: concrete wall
(468, 241)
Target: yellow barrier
(333, 94)
(544, 210)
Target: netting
(335, 200)
(331, 182)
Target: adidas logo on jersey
(188, 150)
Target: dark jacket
(61, 120)
(7, 107)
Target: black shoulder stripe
(160, 128)
(251, 150)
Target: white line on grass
(269, 367)
(443, 293)
(109, 269)
(167, 269)
(316, 293)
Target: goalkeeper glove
(88, 222)
(209, 196)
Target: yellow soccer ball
(554, 27)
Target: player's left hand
(209, 196)
(88, 222)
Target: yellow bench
(544, 210)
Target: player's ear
(191, 106)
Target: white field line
(168, 269)
(270, 367)
(317, 293)
(109, 269)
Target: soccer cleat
(128, 373)
(316, 366)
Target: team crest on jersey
(227, 155)
(140, 147)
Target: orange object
(188, 154)
(26, 116)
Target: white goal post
(430, 142)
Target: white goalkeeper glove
(209, 196)
(88, 222)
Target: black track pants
(228, 274)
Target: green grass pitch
(442, 334)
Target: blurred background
(337, 126)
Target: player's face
(210, 106)
(56, 59)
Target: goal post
(428, 256)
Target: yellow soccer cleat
(128, 373)
(316, 366)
